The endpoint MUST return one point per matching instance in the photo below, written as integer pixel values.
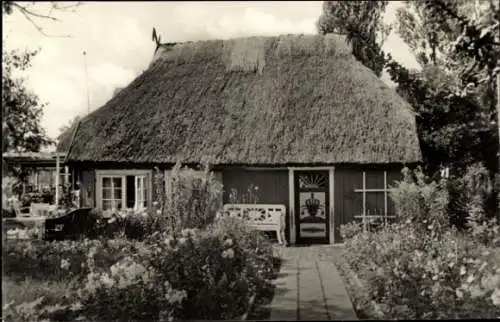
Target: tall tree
(458, 48)
(21, 109)
(456, 106)
(361, 22)
(453, 93)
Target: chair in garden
(18, 210)
(12, 229)
(40, 209)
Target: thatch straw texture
(64, 139)
(260, 100)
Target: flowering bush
(194, 198)
(419, 268)
(127, 291)
(59, 260)
(197, 274)
(129, 223)
(219, 268)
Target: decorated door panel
(312, 207)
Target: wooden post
(66, 174)
(364, 201)
(331, 199)
(498, 124)
(58, 170)
(385, 197)
(291, 210)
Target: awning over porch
(34, 158)
(39, 160)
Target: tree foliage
(361, 23)
(456, 110)
(34, 15)
(456, 44)
(21, 109)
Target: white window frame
(146, 174)
(364, 216)
(140, 194)
(123, 196)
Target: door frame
(292, 223)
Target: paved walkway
(309, 287)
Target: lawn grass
(17, 291)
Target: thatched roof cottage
(292, 114)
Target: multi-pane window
(112, 192)
(376, 205)
(117, 191)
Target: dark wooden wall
(273, 189)
(273, 186)
(87, 187)
(349, 203)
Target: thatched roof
(262, 100)
(64, 139)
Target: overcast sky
(117, 39)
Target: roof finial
(156, 39)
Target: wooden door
(312, 207)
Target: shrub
(198, 274)
(474, 191)
(420, 203)
(419, 268)
(128, 291)
(59, 259)
(219, 268)
(194, 198)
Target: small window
(119, 192)
(112, 193)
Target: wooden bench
(260, 217)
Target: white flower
(187, 232)
(65, 264)
(462, 270)
(182, 241)
(228, 253)
(158, 212)
(106, 280)
(459, 293)
(228, 242)
(155, 203)
(168, 240)
(495, 297)
(76, 306)
(476, 292)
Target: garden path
(309, 287)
